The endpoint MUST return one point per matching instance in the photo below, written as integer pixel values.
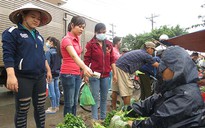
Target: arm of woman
(113, 66)
(87, 71)
(12, 82)
(9, 47)
(114, 72)
(49, 75)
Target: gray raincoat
(179, 103)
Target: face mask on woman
(48, 45)
(101, 36)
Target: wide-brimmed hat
(16, 15)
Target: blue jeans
(54, 92)
(96, 86)
(71, 87)
(110, 81)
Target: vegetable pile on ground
(98, 125)
(118, 119)
(202, 88)
(71, 121)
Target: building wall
(57, 27)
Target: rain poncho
(178, 103)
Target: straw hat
(15, 16)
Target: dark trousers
(30, 89)
(145, 85)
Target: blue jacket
(149, 69)
(54, 61)
(23, 52)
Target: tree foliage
(136, 42)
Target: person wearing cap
(25, 62)
(124, 50)
(178, 103)
(126, 66)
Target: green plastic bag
(86, 98)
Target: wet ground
(7, 108)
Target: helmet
(163, 37)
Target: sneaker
(50, 111)
(49, 108)
(93, 121)
(100, 121)
(57, 109)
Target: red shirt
(69, 66)
(96, 59)
(116, 53)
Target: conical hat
(15, 16)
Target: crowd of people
(177, 102)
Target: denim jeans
(54, 92)
(96, 86)
(71, 87)
(110, 81)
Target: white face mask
(48, 45)
(101, 36)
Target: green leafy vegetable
(119, 120)
(202, 88)
(97, 125)
(71, 121)
(109, 117)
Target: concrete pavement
(7, 109)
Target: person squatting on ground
(126, 65)
(99, 56)
(25, 62)
(70, 68)
(178, 102)
(53, 56)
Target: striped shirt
(133, 60)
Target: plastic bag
(86, 98)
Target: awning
(193, 41)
